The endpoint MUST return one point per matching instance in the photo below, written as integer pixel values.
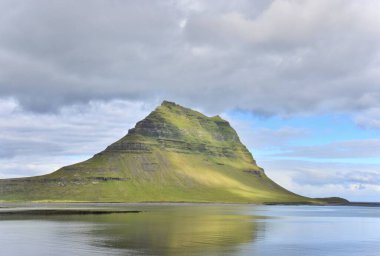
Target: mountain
(175, 154)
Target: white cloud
(256, 137)
(33, 143)
(369, 119)
(356, 182)
(351, 149)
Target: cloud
(356, 182)
(76, 129)
(38, 143)
(270, 57)
(58, 53)
(297, 54)
(352, 149)
(369, 119)
(262, 138)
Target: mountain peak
(181, 110)
(173, 127)
(168, 103)
(174, 108)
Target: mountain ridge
(175, 154)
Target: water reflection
(197, 230)
(177, 231)
(158, 230)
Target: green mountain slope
(174, 154)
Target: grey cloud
(270, 57)
(299, 53)
(56, 53)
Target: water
(195, 229)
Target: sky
(298, 80)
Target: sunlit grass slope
(174, 155)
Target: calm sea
(194, 229)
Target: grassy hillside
(175, 154)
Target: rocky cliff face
(174, 154)
(172, 127)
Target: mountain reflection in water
(178, 230)
(192, 229)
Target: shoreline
(8, 204)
